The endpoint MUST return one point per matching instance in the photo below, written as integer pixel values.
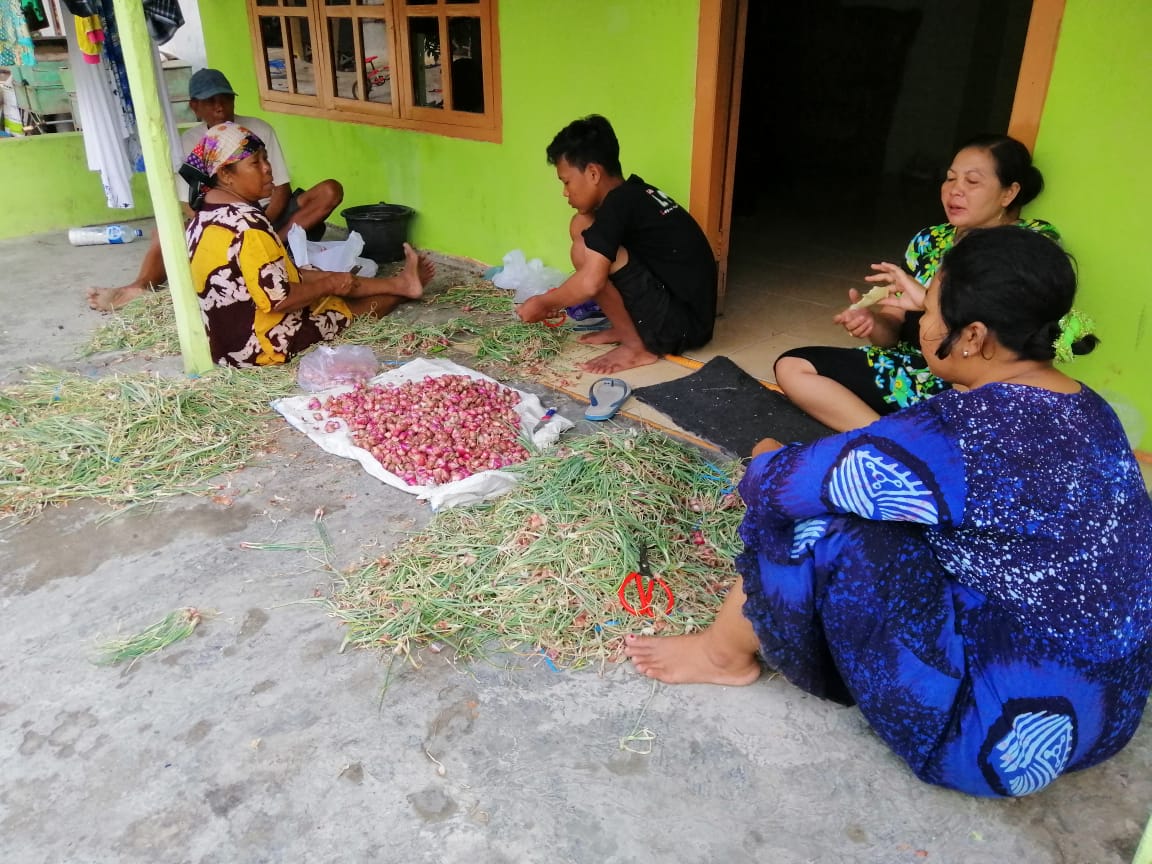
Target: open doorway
(820, 135)
(850, 111)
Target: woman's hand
(904, 292)
(858, 322)
(766, 445)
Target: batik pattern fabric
(901, 373)
(241, 270)
(975, 573)
(16, 48)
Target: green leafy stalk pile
(540, 569)
(129, 439)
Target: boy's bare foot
(619, 359)
(691, 659)
(601, 337)
(110, 299)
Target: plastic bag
(328, 367)
(335, 256)
(526, 278)
(584, 311)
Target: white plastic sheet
(478, 487)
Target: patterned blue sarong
(974, 572)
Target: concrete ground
(257, 740)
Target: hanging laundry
(111, 139)
(164, 19)
(105, 135)
(34, 15)
(82, 8)
(15, 38)
(89, 36)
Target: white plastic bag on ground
(325, 367)
(335, 256)
(478, 487)
(526, 278)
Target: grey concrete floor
(257, 740)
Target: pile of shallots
(440, 429)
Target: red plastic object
(644, 591)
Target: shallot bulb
(434, 431)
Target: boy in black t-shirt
(637, 253)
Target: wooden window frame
(402, 112)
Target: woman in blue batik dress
(975, 572)
(990, 179)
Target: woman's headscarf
(221, 145)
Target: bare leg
(725, 653)
(632, 351)
(151, 273)
(381, 296)
(316, 205)
(828, 401)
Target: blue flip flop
(605, 397)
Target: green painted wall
(1093, 146)
(45, 186)
(633, 62)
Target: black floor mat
(722, 403)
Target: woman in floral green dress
(990, 180)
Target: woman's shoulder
(935, 232)
(238, 217)
(1040, 226)
(999, 404)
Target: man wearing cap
(213, 101)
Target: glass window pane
(424, 38)
(371, 2)
(462, 2)
(343, 59)
(272, 38)
(300, 38)
(295, 2)
(338, 2)
(377, 68)
(265, 2)
(467, 65)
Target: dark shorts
(885, 379)
(666, 325)
(315, 234)
(848, 367)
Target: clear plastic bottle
(98, 235)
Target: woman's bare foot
(110, 299)
(619, 359)
(418, 272)
(691, 659)
(425, 268)
(601, 337)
